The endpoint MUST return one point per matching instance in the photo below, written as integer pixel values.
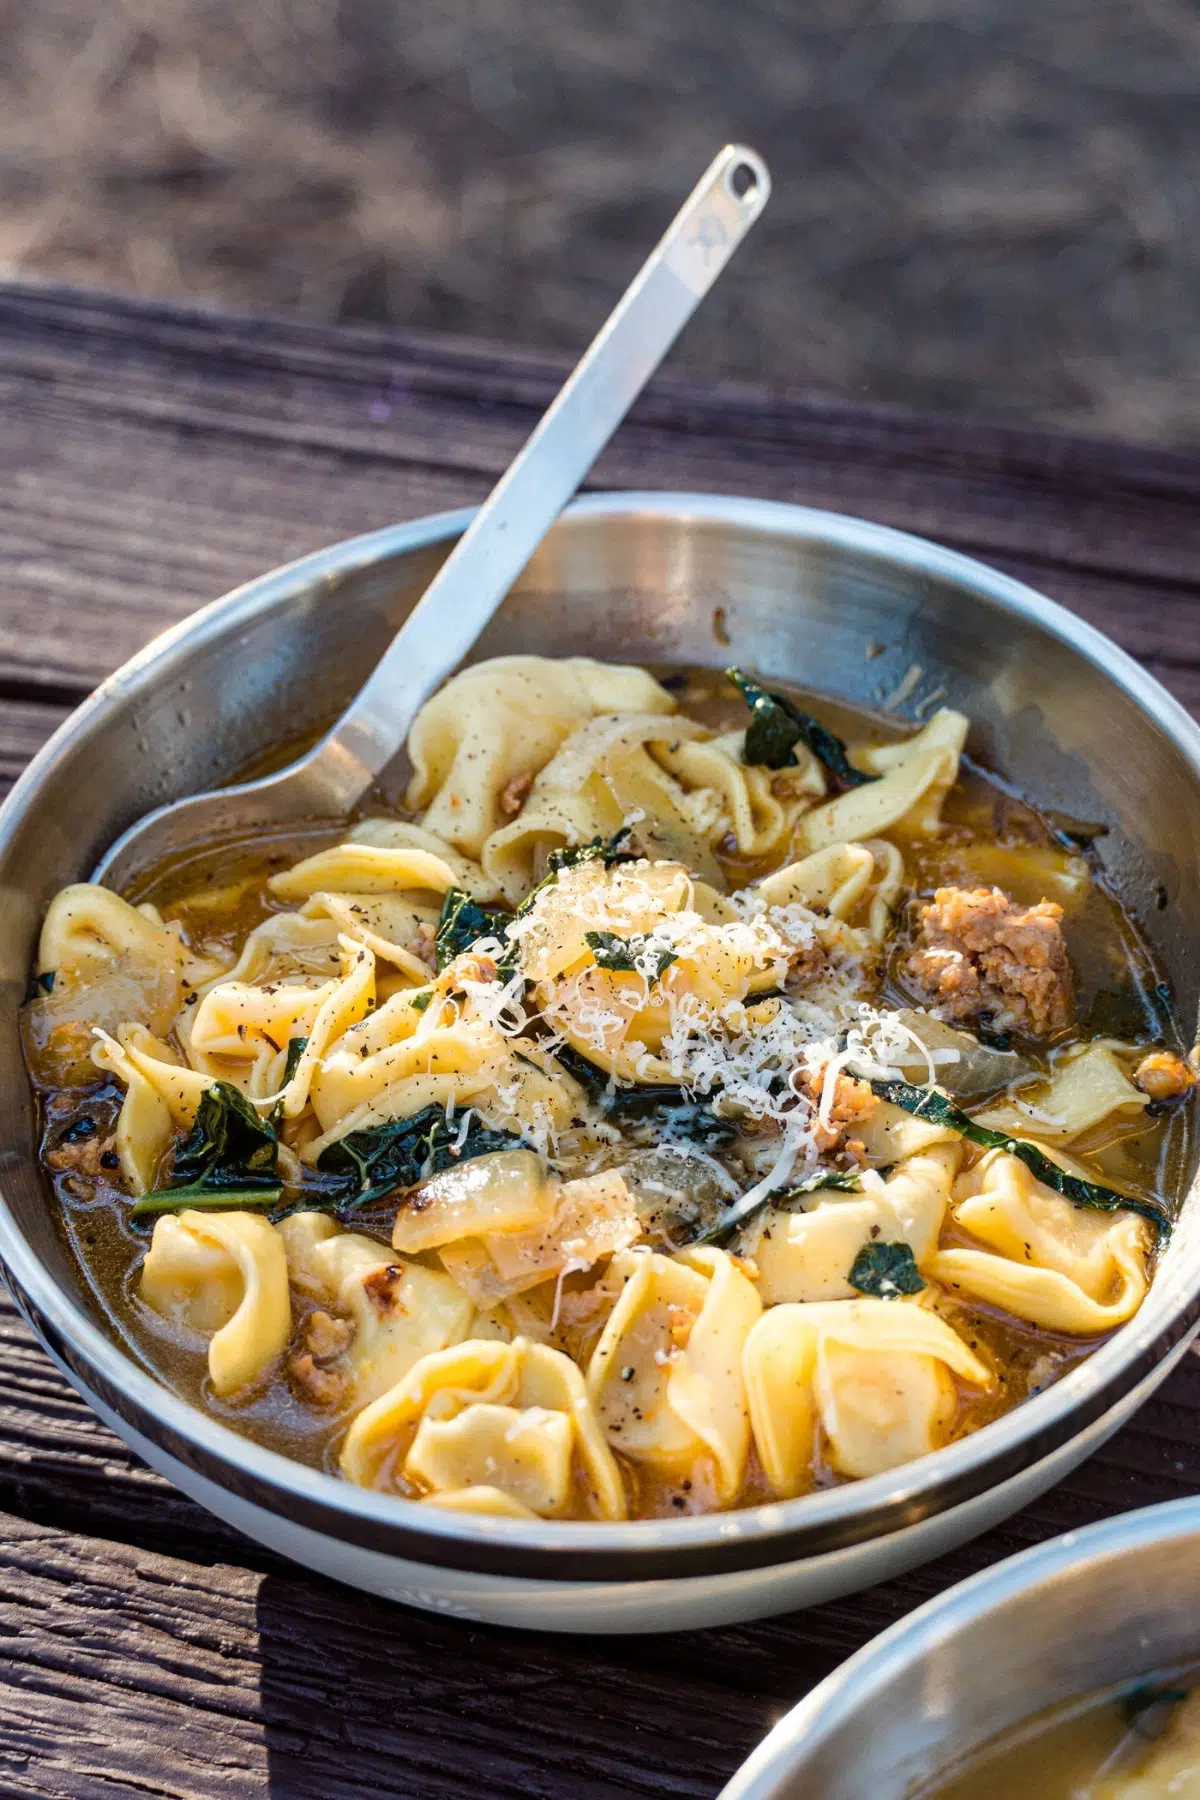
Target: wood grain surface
(150, 458)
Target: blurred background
(985, 206)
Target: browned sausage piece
(979, 958)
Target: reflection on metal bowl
(644, 578)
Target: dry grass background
(986, 205)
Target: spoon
(505, 532)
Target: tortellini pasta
(1046, 1260)
(499, 1428)
(808, 1255)
(502, 722)
(1087, 1089)
(399, 1310)
(868, 1383)
(223, 1274)
(131, 964)
(914, 778)
(666, 1376)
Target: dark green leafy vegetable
(463, 922)
(777, 726)
(847, 1180)
(592, 1080)
(885, 1271)
(621, 954)
(295, 1050)
(606, 850)
(929, 1103)
(382, 1159)
(669, 1111)
(229, 1158)
(672, 1114)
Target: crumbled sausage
(84, 1157)
(326, 1336)
(981, 957)
(512, 796)
(1164, 1076)
(424, 945)
(806, 962)
(471, 967)
(324, 1339)
(680, 1320)
(853, 1101)
(325, 1386)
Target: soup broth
(1140, 1741)
(712, 1094)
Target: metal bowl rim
(851, 1685)
(895, 1499)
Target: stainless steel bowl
(638, 577)
(1087, 1610)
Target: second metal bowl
(1086, 1611)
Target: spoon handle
(527, 499)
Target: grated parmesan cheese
(774, 1066)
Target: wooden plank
(131, 1670)
(141, 1635)
(24, 727)
(154, 457)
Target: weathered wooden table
(152, 458)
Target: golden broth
(1139, 1741)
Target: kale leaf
(672, 1113)
(886, 1271)
(621, 954)
(777, 725)
(295, 1050)
(463, 922)
(668, 1110)
(592, 1080)
(848, 1180)
(381, 1159)
(929, 1103)
(228, 1159)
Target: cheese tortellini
(225, 1276)
(666, 1376)
(808, 1254)
(504, 1428)
(1045, 1260)
(873, 1379)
